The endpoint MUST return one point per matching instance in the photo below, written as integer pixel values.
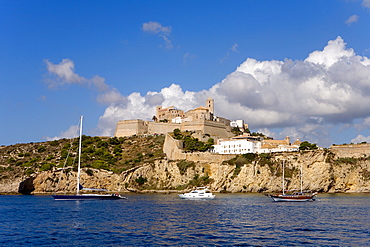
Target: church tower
(210, 105)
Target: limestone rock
(321, 172)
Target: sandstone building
(200, 120)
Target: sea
(166, 220)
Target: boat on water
(295, 196)
(81, 196)
(198, 193)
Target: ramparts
(140, 127)
(351, 150)
(173, 150)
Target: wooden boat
(78, 195)
(301, 196)
(294, 197)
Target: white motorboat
(198, 193)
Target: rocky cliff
(138, 164)
(322, 172)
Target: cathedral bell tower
(210, 105)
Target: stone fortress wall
(140, 127)
(197, 120)
(351, 150)
(173, 150)
(200, 120)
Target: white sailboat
(80, 196)
(301, 196)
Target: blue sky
(296, 68)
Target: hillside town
(205, 124)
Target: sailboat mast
(79, 157)
(283, 178)
(301, 179)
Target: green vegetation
(46, 166)
(192, 144)
(114, 154)
(346, 160)
(198, 181)
(141, 180)
(236, 131)
(307, 146)
(240, 160)
(41, 149)
(183, 166)
(249, 158)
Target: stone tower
(157, 109)
(210, 104)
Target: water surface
(163, 220)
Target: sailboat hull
(292, 198)
(88, 197)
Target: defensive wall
(140, 127)
(131, 127)
(173, 150)
(161, 128)
(351, 150)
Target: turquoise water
(166, 220)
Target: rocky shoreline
(322, 172)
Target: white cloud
(63, 73)
(301, 99)
(111, 97)
(352, 19)
(233, 48)
(366, 3)
(365, 124)
(157, 28)
(332, 53)
(72, 132)
(360, 139)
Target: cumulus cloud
(143, 107)
(157, 28)
(304, 99)
(360, 139)
(63, 73)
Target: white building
(241, 146)
(177, 120)
(249, 144)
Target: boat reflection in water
(198, 193)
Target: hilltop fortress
(200, 120)
(205, 124)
